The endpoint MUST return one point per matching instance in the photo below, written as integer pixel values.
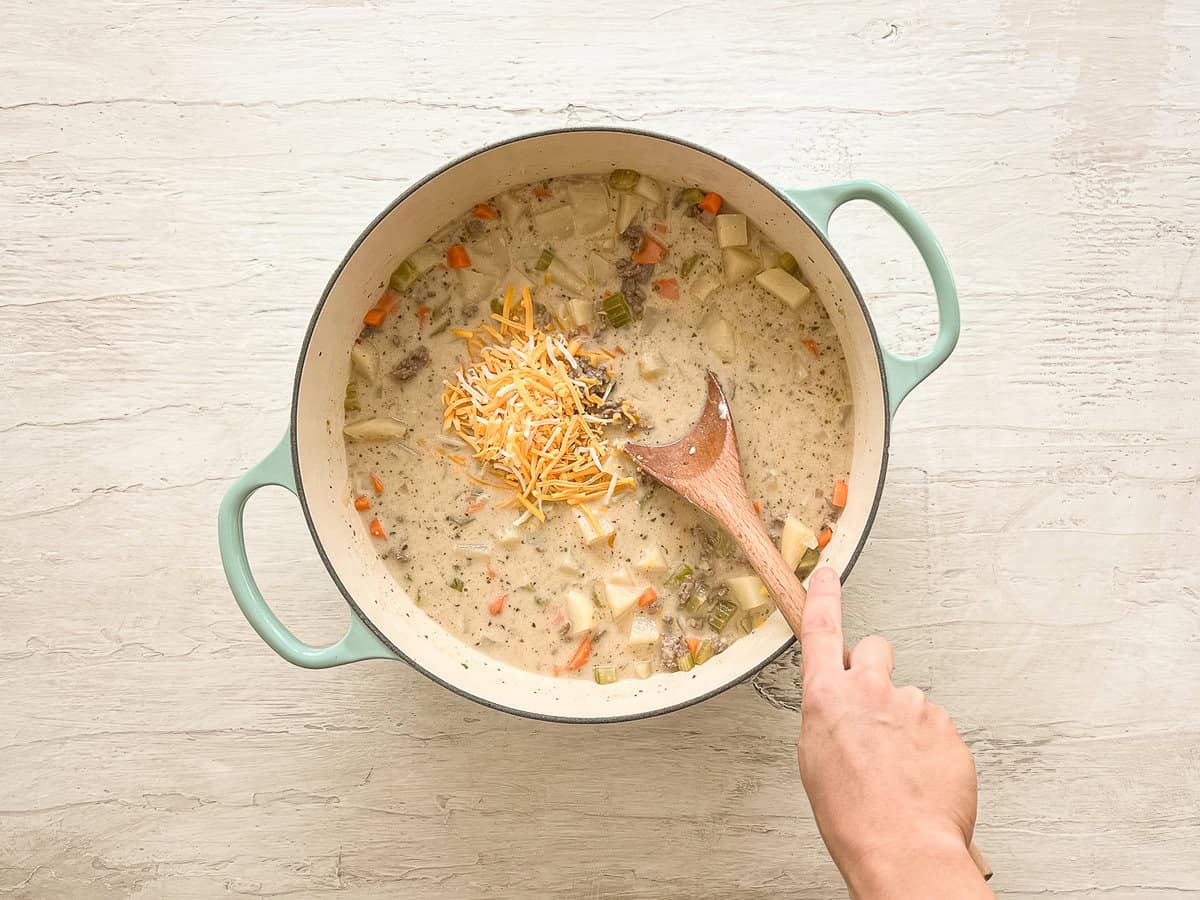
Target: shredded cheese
(527, 410)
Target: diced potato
(797, 537)
(375, 430)
(642, 668)
(569, 565)
(620, 593)
(653, 563)
(425, 258)
(627, 207)
(508, 537)
(651, 364)
(731, 230)
(475, 286)
(515, 280)
(589, 201)
(790, 290)
(748, 591)
(489, 254)
(602, 270)
(583, 312)
(649, 190)
(703, 286)
(718, 334)
(738, 264)
(581, 612)
(643, 632)
(565, 277)
(511, 208)
(362, 361)
(555, 223)
(475, 551)
(592, 535)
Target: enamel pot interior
(341, 537)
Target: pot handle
(358, 643)
(903, 372)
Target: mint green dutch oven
(310, 460)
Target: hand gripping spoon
(703, 467)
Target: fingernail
(824, 576)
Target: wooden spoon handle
(743, 524)
(980, 863)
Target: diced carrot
(580, 656)
(497, 606)
(824, 537)
(693, 644)
(660, 227)
(423, 316)
(812, 346)
(711, 202)
(483, 211)
(388, 302)
(619, 349)
(362, 504)
(491, 573)
(476, 505)
(541, 193)
(668, 288)
(650, 252)
(376, 484)
(648, 596)
(457, 258)
(841, 491)
(374, 317)
(757, 507)
(377, 529)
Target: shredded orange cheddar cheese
(528, 410)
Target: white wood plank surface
(178, 180)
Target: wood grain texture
(177, 181)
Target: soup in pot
(508, 360)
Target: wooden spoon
(703, 467)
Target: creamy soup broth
(642, 583)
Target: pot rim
(312, 324)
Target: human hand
(892, 785)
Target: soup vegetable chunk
(508, 360)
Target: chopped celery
(526, 588)
(405, 275)
(721, 614)
(605, 674)
(456, 584)
(681, 573)
(542, 601)
(704, 652)
(808, 562)
(685, 661)
(543, 261)
(616, 310)
(698, 602)
(788, 263)
(497, 306)
(691, 196)
(688, 264)
(351, 402)
(623, 179)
